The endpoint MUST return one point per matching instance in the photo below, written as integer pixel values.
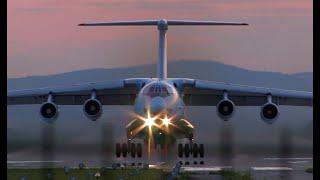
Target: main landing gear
(134, 149)
(190, 149)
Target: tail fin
(162, 25)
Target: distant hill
(206, 70)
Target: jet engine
(225, 108)
(49, 110)
(269, 111)
(92, 108)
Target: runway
(293, 168)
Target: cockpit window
(158, 90)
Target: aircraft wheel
(195, 150)
(201, 150)
(180, 150)
(133, 150)
(139, 150)
(124, 149)
(118, 150)
(186, 150)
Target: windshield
(161, 89)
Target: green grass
(135, 174)
(185, 176)
(225, 174)
(58, 173)
(234, 175)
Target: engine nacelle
(92, 109)
(225, 109)
(269, 112)
(49, 112)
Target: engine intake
(269, 112)
(49, 111)
(92, 109)
(225, 108)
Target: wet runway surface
(274, 168)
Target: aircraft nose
(157, 105)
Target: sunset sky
(43, 36)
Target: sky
(43, 36)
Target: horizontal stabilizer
(122, 23)
(168, 22)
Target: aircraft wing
(119, 92)
(208, 93)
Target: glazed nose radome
(157, 105)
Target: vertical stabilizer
(162, 25)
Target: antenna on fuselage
(162, 25)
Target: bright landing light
(149, 121)
(166, 121)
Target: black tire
(201, 150)
(133, 150)
(186, 150)
(180, 150)
(139, 150)
(195, 150)
(124, 149)
(118, 150)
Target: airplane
(159, 103)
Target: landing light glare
(149, 121)
(166, 121)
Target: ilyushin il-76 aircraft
(159, 103)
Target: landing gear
(191, 149)
(133, 150)
(187, 149)
(118, 150)
(139, 150)
(201, 151)
(180, 151)
(195, 150)
(129, 148)
(124, 149)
